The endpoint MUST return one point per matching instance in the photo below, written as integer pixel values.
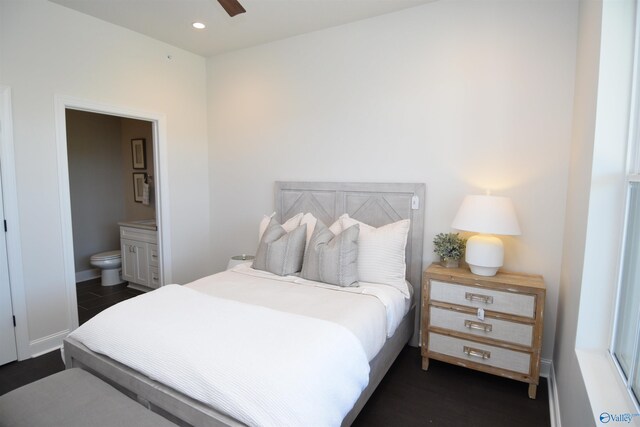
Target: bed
(374, 204)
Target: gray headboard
(371, 203)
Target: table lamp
(486, 215)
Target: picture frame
(139, 153)
(139, 178)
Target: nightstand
(239, 259)
(490, 324)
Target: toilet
(110, 263)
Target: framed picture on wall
(139, 153)
(139, 179)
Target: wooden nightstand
(491, 324)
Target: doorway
(14, 338)
(106, 154)
(8, 348)
(158, 163)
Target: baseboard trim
(545, 368)
(93, 273)
(46, 344)
(554, 404)
(138, 287)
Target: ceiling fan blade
(233, 7)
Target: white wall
(48, 50)
(460, 95)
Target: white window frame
(632, 176)
(627, 380)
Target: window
(627, 334)
(626, 340)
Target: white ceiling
(265, 20)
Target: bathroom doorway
(111, 165)
(107, 156)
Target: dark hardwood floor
(451, 396)
(445, 395)
(17, 374)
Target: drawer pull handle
(487, 327)
(154, 256)
(483, 354)
(487, 299)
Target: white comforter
(371, 311)
(261, 366)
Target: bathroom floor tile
(86, 297)
(92, 297)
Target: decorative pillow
(381, 253)
(332, 259)
(280, 252)
(310, 220)
(289, 225)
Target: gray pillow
(332, 259)
(280, 252)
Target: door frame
(14, 246)
(161, 178)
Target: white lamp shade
(487, 215)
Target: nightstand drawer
(490, 299)
(484, 354)
(497, 329)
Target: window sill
(606, 391)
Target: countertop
(145, 224)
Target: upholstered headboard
(371, 203)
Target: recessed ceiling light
(198, 26)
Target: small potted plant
(450, 247)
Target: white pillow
(289, 225)
(310, 220)
(381, 252)
(337, 228)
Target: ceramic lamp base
(484, 254)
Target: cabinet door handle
(474, 352)
(487, 327)
(487, 299)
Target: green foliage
(450, 246)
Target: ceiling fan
(233, 7)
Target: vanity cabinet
(139, 248)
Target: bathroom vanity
(139, 248)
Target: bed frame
(375, 204)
